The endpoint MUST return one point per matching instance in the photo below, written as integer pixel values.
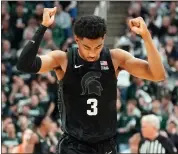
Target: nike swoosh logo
(32, 41)
(77, 66)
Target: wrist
(45, 25)
(42, 27)
(146, 35)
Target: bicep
(49, 61)
(136, 67)
(139, 68)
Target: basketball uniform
(88, 97)
(42, 146)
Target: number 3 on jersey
(94, 109)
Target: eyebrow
(86, 46)
(99, 45)
(89, 47)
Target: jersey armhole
(109, 58)
(110, 62)
(69, 61)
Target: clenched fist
(138, 26)
(48, 16)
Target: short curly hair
(91, 27)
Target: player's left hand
(139, 26)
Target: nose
(92, 54)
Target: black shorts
(70, 145)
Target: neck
(80, 55)
(42, 132)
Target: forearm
(154, 59)
(51, 109)
(28, 61)
(54, 139)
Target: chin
(146, 136)
(91, 60)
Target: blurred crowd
(137, 97)
(27, 97)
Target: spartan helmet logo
(90, 84)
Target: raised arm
(152, 69)
(28, 61)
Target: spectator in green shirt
(156, 109)
(10, 139)
(126, 126)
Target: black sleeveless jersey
(42, 146)
(89, 97)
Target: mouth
(91, 59)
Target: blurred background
(27, 96)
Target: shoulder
(167, 143)
(162, 136)
(115, 52)
(119, 52)
(58, 55)
(120, 55)
(34, 139)
(141, 143)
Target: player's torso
(42, 146)
(89, 90)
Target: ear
(104, 36)
(76, 38)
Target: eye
(98, 47)
(87, 48)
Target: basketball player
(40, 139)
(89, 76)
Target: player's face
(47, 122)
(89, 49)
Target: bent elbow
(19, 66)
(159, 78)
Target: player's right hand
(48, 16)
